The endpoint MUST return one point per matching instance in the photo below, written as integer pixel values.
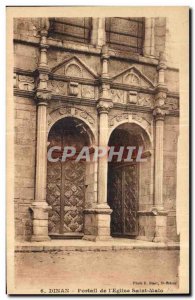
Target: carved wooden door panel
(123, 198)
(130, 199)
(53, 195)
(73, 195)
(65, 192)
(115, 199)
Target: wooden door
(123, 198)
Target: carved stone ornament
(70, 111)
(104, 106)
(88, 91)
(43, 96)
(58, 87)
(25, 83)
(117, 96)
(127, 117)
(74, 67)
(159, 113)
(73, 88)
(145, 100)
(160, 98)
(133, 76)
(132, 97)
(172, 103)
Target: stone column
(97, 220)
(103, 109)
(103, 210)
(159, 113)
(40, 207)
(98, 34)
(159, 116)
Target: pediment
(134, 77)
(74, 67)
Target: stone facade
(105, 89)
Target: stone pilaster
(149, 37)
(98, 35)
(40, 207)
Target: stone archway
(67, 181)
(129, 182)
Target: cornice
(20, 71)
(93, 103)
(86, 48)
(76, 79)
(74, 100)
(173, 95)
(131, 107)
(127, 87)
(21, 93)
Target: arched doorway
(66, 180)
(124, 179)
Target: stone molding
(125, 117)
(76, 112)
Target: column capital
(104, 105)
(43, 96)
(159, 113)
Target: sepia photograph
(97, 136)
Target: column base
(153, 225)
(40, 238)
(97, 223)
(40, 221)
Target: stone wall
(25, 145)
(171, 131)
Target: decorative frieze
(118, 96)
(132, 97)
(58, 87)
(88, 91)
(145, 100)
(172, 103)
